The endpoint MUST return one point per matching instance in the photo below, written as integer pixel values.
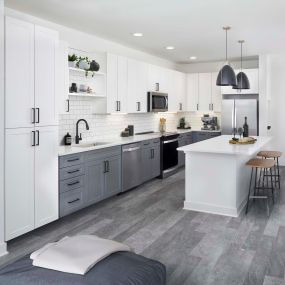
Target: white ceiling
(194, 27)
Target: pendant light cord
(226, 45)
(241, 56)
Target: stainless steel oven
(169, 154)
(157, 102)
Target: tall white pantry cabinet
(31, 127)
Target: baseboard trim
(3, 248)
(211, 209)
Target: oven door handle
(170, 141)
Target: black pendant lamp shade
(242, 80)
(226, 76)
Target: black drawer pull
(73, 201)
(146, 143)
(73, 171)
(74, 159)
(73, 183)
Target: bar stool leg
(278, 172)
(246, 210)
(272, 187)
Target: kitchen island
(216, 178)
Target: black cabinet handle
(74, 159)
(119, 105)
(73, 201)
(197, 107)
(38, 115)
(33, 138)
(73, 183)
(73, 171)
(139, 106)
(33, 115)
(108, 166)
(105, 166)
(68, 105)
(38, 137)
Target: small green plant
(81, 58)
(182, 120)
(72, 57)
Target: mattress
(120, 268)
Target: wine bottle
(245, 128)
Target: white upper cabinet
(180, 84)
(117, 83)
(31, 89)
(192, 92)
(137, 86)
(19, 73)
(46, 175)
(46, 52)
(216, 94)
(205, 92)
(158, 79)
(63, 78)
(253, 78)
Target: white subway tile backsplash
(108, 126)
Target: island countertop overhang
(221, 145)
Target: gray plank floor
(196, 248)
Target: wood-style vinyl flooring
(196, 248)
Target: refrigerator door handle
(233, 113)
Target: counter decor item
(182, 123)
(89, 90)
(125, 133)
(245, 128)
(73, 88)
(72, 60)
(83, 63)
(83, 88)
(162, 125)
(67, 139)
(243, 141)
(131, 130)
(94, 66)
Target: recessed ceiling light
(170, 47)
(193, 57)
(138, 34)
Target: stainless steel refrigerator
(235, 108)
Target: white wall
(215, 66)
(274, 66)
(2, 244)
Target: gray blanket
(120, 268)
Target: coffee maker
(209, 123)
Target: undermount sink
(83, 145)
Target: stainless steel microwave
(157, 102)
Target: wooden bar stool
(263, 165)
(273, 155)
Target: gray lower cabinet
(87, 178)
(150, 159)
(184, 139)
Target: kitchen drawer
(70, 202)
(70, 160)
(71, 184)
(71, 171)
(146, 143)
(102, 153)
(155, 142)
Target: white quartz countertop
(115, 141)
(221, 145)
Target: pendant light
(226, 76)
(242, 80)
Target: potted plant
(182, 123)
(83, 63)
(71, 60)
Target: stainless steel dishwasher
(131, 166)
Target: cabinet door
(154, 77)
(180, 85)
(94, 187)
(205, 90)
(146, 164)
(19, 182)
(19, 73)
(193, 92)
(216, 94)
(155, 169)
(63, 78)
(113, 183)
(46, 51)
(46, 175)
(181, 154)
(137, 86)
(123, 84)
(112, 83)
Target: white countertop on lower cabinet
(221, 145)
